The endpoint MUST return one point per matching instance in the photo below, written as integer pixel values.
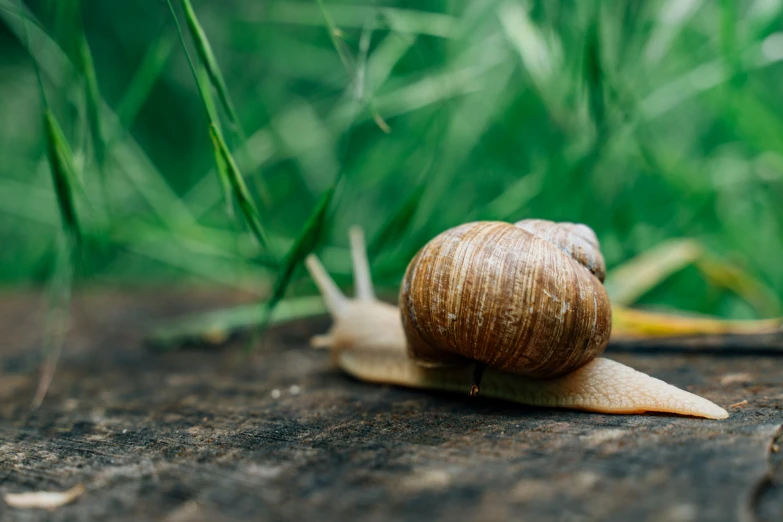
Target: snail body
(520, 308)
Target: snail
(508, 311)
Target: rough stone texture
(203, 435)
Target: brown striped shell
(523, 298)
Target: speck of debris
(600, 436)
(735, 378)
(681, 513)
(426, 479)
(294, 389)
(43, 499)
(275, 393)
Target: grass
(92, 104)
(155, 60)
(232, 181)
(652, 122)
(209, 62)
(64, 177)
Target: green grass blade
(148, 73)
(93, 95)
(305, 243)
(204, 92)
(513, 199)
(57, 319)
(358, 71)
(230, 174)
(202, 79)
(405, 99)
(228, 171)
(62, 169)
(221, 168)
(215, 75)
(64, 11)
(219, 326)
(93, 102)
(593, 76)
(59, 155)
(63, 172)
(729, 15)
(337, 42)
(207, 57)
(353, 15)
(141, 172)
(397, 224)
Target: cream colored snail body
(515, 312)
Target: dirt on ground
(215, 434)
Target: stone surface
(208, 434)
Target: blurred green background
(645, 120)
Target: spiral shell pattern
(525, 299)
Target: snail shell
(526, 299)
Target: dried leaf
(43, 499)
(628, 323)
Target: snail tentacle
(362, 278)
(362, 323)
(335, 300)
